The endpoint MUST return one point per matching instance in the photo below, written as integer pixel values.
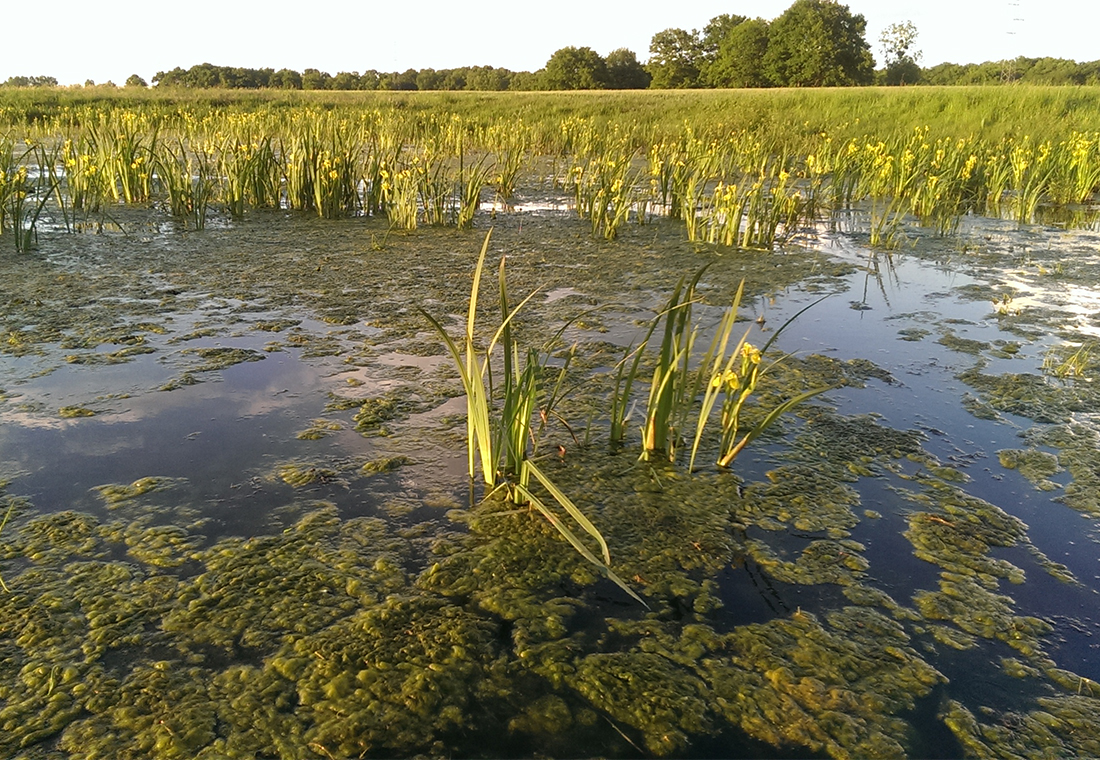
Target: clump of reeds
(723, 373)
(499, 418)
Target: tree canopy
(573, 68)
(819, 43)
(675, 56)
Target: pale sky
(74, 40)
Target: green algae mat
(238, 520)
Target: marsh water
(241, 522)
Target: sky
(112, 39)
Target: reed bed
(729, 184)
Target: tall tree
(624, 72)
(902, 61)
(819, 43)
(740, 58)
(716, 30)
(674, 59)
(573, 68)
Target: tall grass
(738, 169)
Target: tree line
(814, 43)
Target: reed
(24, 194)
(669, 397)
(739, 169)
(1068, 363)
(499, 423)
(471, 180)
(188, 177)
(733, 375)
(85, 180)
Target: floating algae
(318, 429)
(958, 538)
(374, 413)
(1063, 726)
(912, 334)
(386, 464)
(116, 493)
(1037, 466)
(962, 345)
(847, 448)
(347, 653)
(70, 412)
(822, 561)
(253, 593)
(1078, 452)
(834, 688)
(1033, 396)
(115, 357)
(299, 474)
(221, 357)
(804, 498)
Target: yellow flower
(728, 379)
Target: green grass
(792, 115)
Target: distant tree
(404, 80)
(429, 79)
(942, 74)
(487, 78)
(525, 81)
(20, 81)
(91, 82)
(710, 41)
(624, 72)
(202, 75)
(135, 81)
(285, 79)
(173, 78)
(740, 58)
(370, 80)
(674, 59)
(819, 43)
(902, 62)
(1053, 71)
(345, 80)
(573, 68)
(455, 79)
(312, 79)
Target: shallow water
(859, 585)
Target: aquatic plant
(3, 523)
(188, 176)
(669, 395)
(499, 425)
(1064, 364)
(603, 190)
(399, 195)
(23, 195)
(734, 374)
(676, 383)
